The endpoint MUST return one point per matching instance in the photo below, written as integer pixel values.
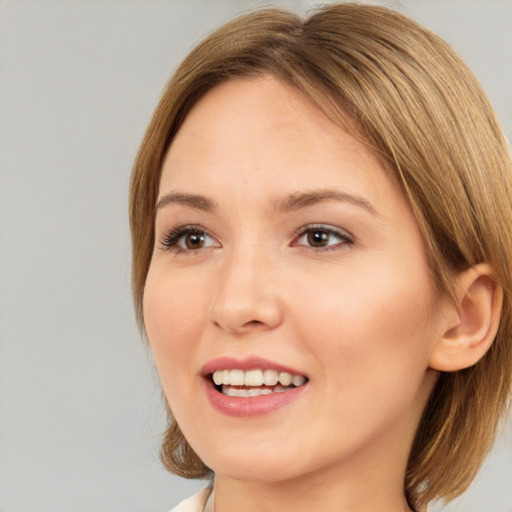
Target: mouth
(254, 382)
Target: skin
(357, 316)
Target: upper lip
(245, 364)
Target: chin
(257, 470)
(246, 464)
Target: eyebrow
(305, 199)
(193, 200)
(291, 203)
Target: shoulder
(194, 503)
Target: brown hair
(405, 92)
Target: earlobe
(470, 324)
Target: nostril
(239, 313)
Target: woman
(320, 214)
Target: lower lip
(252, 405)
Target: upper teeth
(256, 378)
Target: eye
(188, 238)
(322, 237)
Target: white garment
(200, 502)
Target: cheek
(173, 321)
(370, 328)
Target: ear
(469, 324)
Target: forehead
(262, 137)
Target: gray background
(80, 408)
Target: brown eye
(318, 238)
(323, 237)
(188, 238)
(194, 240)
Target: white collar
(208, 506)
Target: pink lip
(253, 405)
(249, 363)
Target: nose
(247, 296)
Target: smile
(252, 387)
(255, 382)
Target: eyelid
(170, 239)
(345, 238)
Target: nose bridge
(246, 295)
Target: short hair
(405, 93)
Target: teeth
(256, 378)
(253, 378)
(245, 392)
(230, 391)
(285, 379)
(217, 378)
(236, 378)
(298, 380)
(270, 377)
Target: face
(288, 302)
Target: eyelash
(172, 240)
(344, 238)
